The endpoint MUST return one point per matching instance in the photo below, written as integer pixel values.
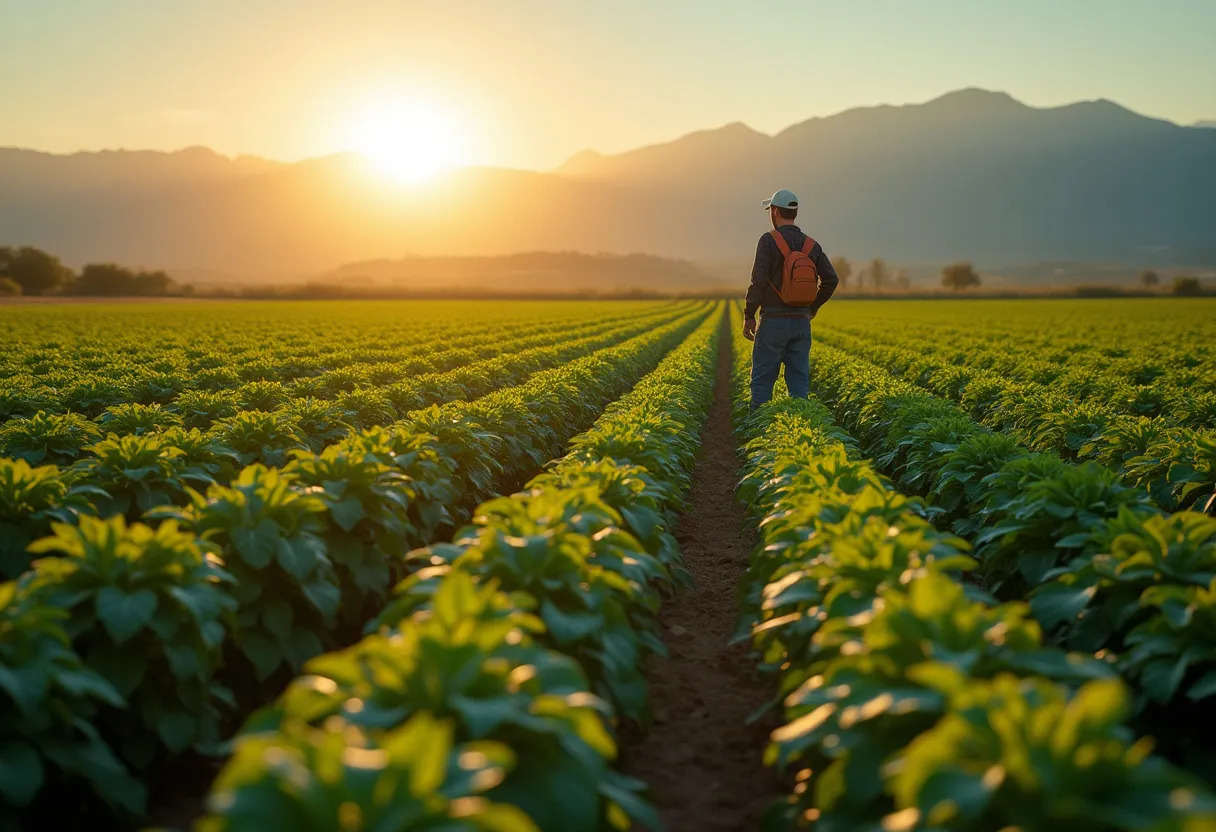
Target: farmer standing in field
(791, 279)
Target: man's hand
(749, 329)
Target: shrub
(1187, 286)
(145, 609)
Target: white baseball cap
(781, 199)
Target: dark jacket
(766, 273)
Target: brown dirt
(701, 759)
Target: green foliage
(414, 777)
(260, 437)
(310, 548)
(644, 502)
(910, 699)
(201, 408)
(92, 394)
(503, 634)
(366, 408)
(205, 458)
(31, 500)
(57, 439)
(32, 270)
(261, 395)
(379, 504)
(466, 655)
(134, 474)
(136, 419)
(959, 276)
(268, 535)
(24, 397)
(1037, 510)
(321, 422)
(48, 699)
(591, 578)
(1025, 754)
(1147, 594)
(114, 280)
(1187, 287)
(1035, 517)
(146, 609)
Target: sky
(527, 83)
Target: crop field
(521, 566)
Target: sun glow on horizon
(408, 140)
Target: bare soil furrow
(701, 758)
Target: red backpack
(799, 276)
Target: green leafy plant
(1026, 755)
(268, 534)
(48, 438)
(206, 459)
(202, 408)
(25, 397)
(321, 422)
(414, 777)
(135, 474)
(48, 699)
(31, 500)
(259, 437)
(466, 654)
(93, 394)
(145, 608)
(137, 419)
(374, 515)
(1037, 511)
(366, 407)
(873, 641)
(261, 395)
(590, 577)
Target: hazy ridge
(972, 174)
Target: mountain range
(970, 175)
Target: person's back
(783, 334)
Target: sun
(407, 140)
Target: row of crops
(169, 582)
(971, 630)
(1135, 397)
(292, 531)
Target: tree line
(958, 277)
(877, 276)
(1186, 286)
(30, 271)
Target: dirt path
(703, 763)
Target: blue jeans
(781, 341)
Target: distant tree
(1187, 286)
(960, 276)
(844, 270)
(9, 287)
(876, 273)
(35, 271)
(109, 279)
(153, 283)
(1149, 278)
(902, 281)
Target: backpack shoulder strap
(781, 243)
(808, 245)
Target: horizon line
(235, 157)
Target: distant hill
(1208, 123)
(563, 272)
(972, 174)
